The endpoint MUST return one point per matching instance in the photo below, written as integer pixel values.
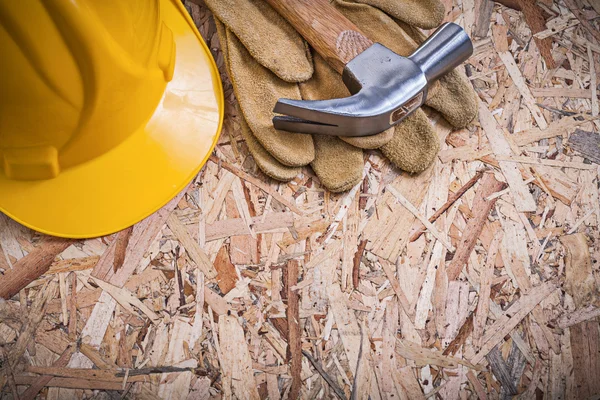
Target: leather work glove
(267, 60)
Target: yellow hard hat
(108, 108)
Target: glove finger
(326, 83)
(426, 14)
(257, 89)
(370, 142)
(265, 161)
(338, 165)
(414, 145)
(455, 99)
(222, 34)
(265, 33)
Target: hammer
(385, 86)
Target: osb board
(246, 288)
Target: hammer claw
(336, 117)
(293, 124)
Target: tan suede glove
(267, 60)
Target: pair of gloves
(267, 59)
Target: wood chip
(483, 303)
(256, 182)
(587, 144)
(519, 82)
(523, 199)
(126, 299)
(226, 273)
(294, 348)
(535, 20)
(430, 227)
(32, 266)
(192, 247)
(511, 318)
(238, 379)
(480, 210)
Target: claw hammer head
(385, 88)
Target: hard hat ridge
(121, 82)
(85, 125)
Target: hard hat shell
(107, 110)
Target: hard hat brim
(139, 176)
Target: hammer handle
(329, 32)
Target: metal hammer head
(385, 88)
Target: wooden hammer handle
(331, 34)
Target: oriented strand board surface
(475, 279)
